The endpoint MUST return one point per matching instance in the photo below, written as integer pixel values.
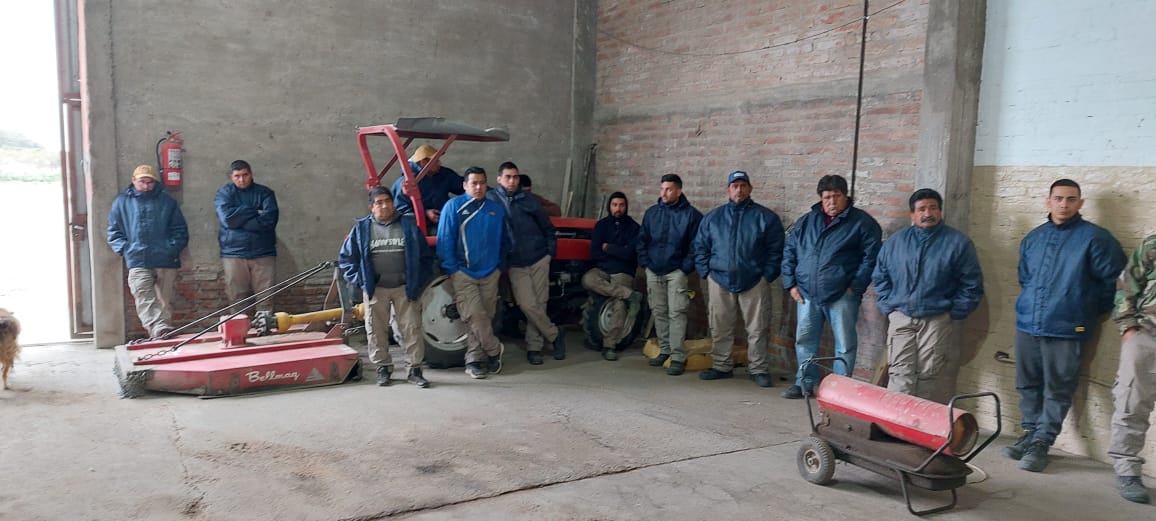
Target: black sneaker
(676, 368)
(762, 379)
(417, 379)
(534, 357)
(494, 362)
(1016, 450)
(609, 354)
(1132, 489)
(384, 375)
(1035, 458)
(715, 374)
(658, 360)
(560, 346)
(793, 392)
(476, 371)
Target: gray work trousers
(387, 303)
(531, 287)
(1135, 394)
(669, 300)
(754, 305)
(153, 292)
(917, 352)
(617, 287)
(246, 277)
(476, 300)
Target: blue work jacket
(666, 237)
(926, 273)
(739, 243)
(1068, 278)
(147, 229)
(824, 260)
(356, 263)
(248, 221)
(472, 236)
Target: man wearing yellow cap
(436, 187)
(146, 227)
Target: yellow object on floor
(698, 353)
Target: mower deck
(213, 366)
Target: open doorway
(36, 274)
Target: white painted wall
(1068, 82)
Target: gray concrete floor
(581, 439)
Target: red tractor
(444, 332)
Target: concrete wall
(284, 85)
(1064, 94)
(676, 94)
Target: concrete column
(98, 121)
(947, 115)
(582, 95)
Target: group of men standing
(926, 278)
(147, 228)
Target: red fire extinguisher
(169, 158)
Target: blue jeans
(1047, 374)
(842, 314)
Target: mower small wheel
(816, 461)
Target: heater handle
(998, 421)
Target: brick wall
(786, 114)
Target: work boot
(560, 346)
(715, 374)
(793, 392)
(475, 370)
(609, 354)
(1036, 457)
(416, 378)
(384, 375)
(676, 368)
(658, 360)
(1016, 450)
(534, 357)
(762, 379)
(1132, 489)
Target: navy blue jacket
(925, 273)
(472, 236)
(619, 235)
(664, 241)
(532, 232)
(738, 244)
(147, 229)
(1068, 275)
(248, 221)
(824, 261)
(435, 189)
(356, 263)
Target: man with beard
(738, 252)
(615, 262)
(926, 277)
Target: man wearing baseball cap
(146, 227)
(436, 187)
(738, 252)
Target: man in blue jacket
(436, 187)
(615, 263)
(926, 277)
(665, 252)
(472, 244)
(147, 228)
(738, 252)
(534, 245)
(827, 265)
(248, 215)
(387, 256)
(1067, 271)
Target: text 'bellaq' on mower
(920, 442)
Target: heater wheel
(816, 461)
